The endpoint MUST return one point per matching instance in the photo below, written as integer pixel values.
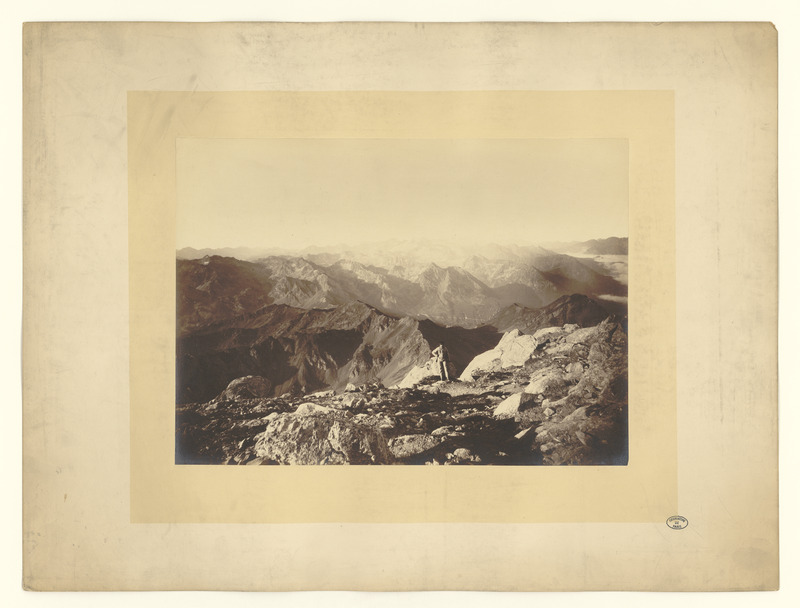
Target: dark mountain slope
(572, 276)
(300, 350)
(574, 308)
(217, 288)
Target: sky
(293, 193)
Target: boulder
(523, 433)
(549, 334)
(350, 388)
(410, 445)
(514, 404)
(584, 334)
(574, 371)
(311, 409)
(514, 350)
(462, 455)
(544, 379)
(247, 387)
(313, 440)
(353, 401)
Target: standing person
(442, 358)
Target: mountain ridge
(215, 286)
(300, 350)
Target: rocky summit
(556, 396)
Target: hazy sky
(297, 192)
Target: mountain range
(467, 295)
(328, 318)
(410, 257)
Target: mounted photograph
(402, 301)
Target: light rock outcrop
(510, 407)
(515, 349)
(319, 439)
(311, 409)
(423, 373)
(544, 379)
(550, 333)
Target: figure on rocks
(442, 358)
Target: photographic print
(245, 244)
(402, 301)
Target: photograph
(402, 301)
(538, 260)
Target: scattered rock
(318, 394)
(386, 423)
(353, 401)
(461, 455)
(410, 445)
(494, 417)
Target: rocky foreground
(558, 396)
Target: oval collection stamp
(677, 522)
